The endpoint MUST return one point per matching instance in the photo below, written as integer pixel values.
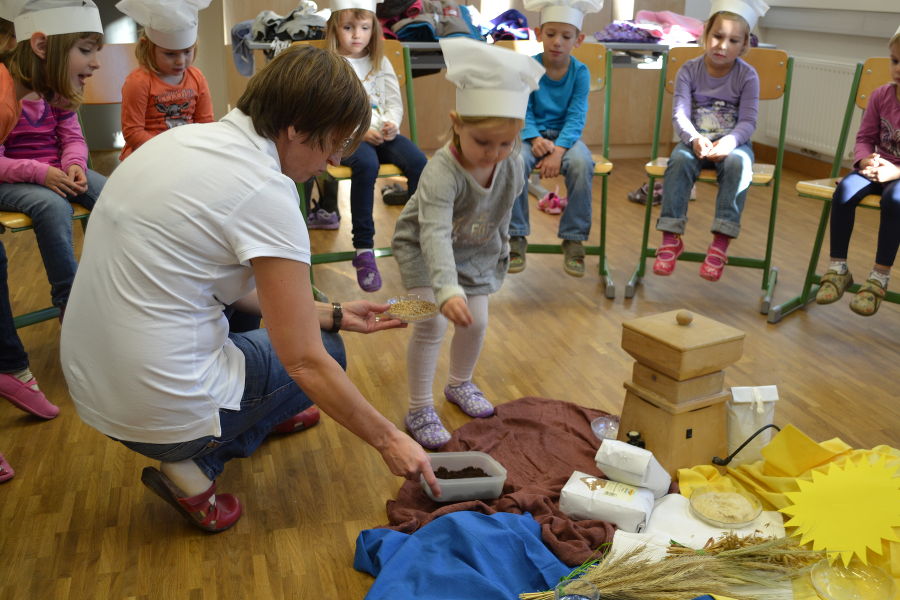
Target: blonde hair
(146, 57)
(312, 90)
(894, 40)
(376, 41)
(485, 123)
(730, 16)
(49, 77)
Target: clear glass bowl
(411, 308)
(729, 509)
(853, 582)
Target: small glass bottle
(635, 439)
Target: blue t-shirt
(559, 105)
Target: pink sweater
(44, 136)
(879, 130)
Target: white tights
(425, 347)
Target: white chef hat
(750, 10)
(564, 11)
(52, 17)
(896, 33)
(170, 24)
(368, 5)
(490, 81)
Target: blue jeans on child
(852, 189)
(734, 174)
(578, 168)
(51, 215)
(12, 354)
(364, 164)
(270, 397)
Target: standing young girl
(877, 172)
(354, 33)
(451, 240)
(714, 113)
(56, 52)
(165, 91)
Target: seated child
(877, 172)
(166, 90)
(557, 111)
(353, 32)
(714, 113)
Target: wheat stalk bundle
(722, 567)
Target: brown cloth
(539, 442)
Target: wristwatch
(337, 315)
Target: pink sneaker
(27, 396)
(6, 471)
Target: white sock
(362, 250)
(839, 266)
(880, 277)
(188, 476)
(25, 376)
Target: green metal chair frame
(775, 69)
(398, 54)
(596, 57)
(868, 76)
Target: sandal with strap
(832, 286)
(868, 298)
(212, 517)
(6, 471)
(666, 257)
(713, 264)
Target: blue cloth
(459, 556)
(559, 105)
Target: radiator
(819, 92)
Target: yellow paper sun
(848, 508)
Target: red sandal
(713, 264)
(666, 257)
(302, 420)
(6, 471)
(212, 517)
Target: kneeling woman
(200, 218)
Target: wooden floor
(76, 522)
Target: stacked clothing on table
(424, 20)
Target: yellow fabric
(792, 455)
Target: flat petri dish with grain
(729, 509)
(411, 308)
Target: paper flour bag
(629, 464)
(749, 409)
(588, 497)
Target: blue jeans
(12, 354)
(364, 164)
(270, 397)
(578, 167)
(852, 189)
(734, 174)
(51, 215)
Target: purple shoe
(323, 219)
(470, 399)
(367, 274)
(425, 426)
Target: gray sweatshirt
(453, 234)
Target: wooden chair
(874, 73)
(774, 68)
(398, 55)
(596, 58)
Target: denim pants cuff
(728, 228)
(671, 225)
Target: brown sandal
(832, 286)
(868, 298)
